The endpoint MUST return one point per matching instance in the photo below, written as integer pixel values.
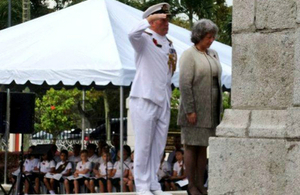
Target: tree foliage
(215, 10)
(56, 111)
(16, 13)
(38, 8)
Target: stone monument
(257, 148)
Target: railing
(61, 144)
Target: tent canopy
(85, 44)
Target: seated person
(101, 145)
(102, 149)
(127, 155)
(75, 158)
(92, 156)
(46, 166)
(55, 156)
(164, 173)
(127, 162)
(178, 170)
(116, 173)
(81, 174)
(172, 155)
(101, 174)
(29, 165)
(116, 147)
(63, 167)
(17, 170)
(130, 180)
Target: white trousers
(150, 124)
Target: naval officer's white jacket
(153, 74)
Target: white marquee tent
(82, 44)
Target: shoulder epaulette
(148, 33)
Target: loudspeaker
(21, 112)
(2, 111)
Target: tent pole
(83, 120)
(7, 123)
(121, 136)
(9, 14)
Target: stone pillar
(257, 148)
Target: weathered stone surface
(275, 14)
(241, 166)
(293, 122)
(234, 123)
(298, 10)
(296, 97)
(268, 123)
(292, 168)
(262, 70)
(243, 15)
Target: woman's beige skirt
(196, 136)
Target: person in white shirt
(116, 173)
(178, 170)
(102, 173)
(150, 95)
(177, 146)
(30, 164)
(130, 181)
(46, 166)
(164, 173)
(81, 174)
(92, 156)
(63, 167)
(127, 164)
(75, 158)
(127, 155)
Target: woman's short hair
(202, 28)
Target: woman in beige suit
(201, 101)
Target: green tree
(38, 8)
(222, 16)
(181, 22)
(174, 110)
(59, 110)
(193, 8)
(56, 111)
(16, 13)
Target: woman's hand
(192, 117)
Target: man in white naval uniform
(150, 95)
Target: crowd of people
(94, 169)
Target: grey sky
(229, 2)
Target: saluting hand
(192, 118)
(154, 17)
